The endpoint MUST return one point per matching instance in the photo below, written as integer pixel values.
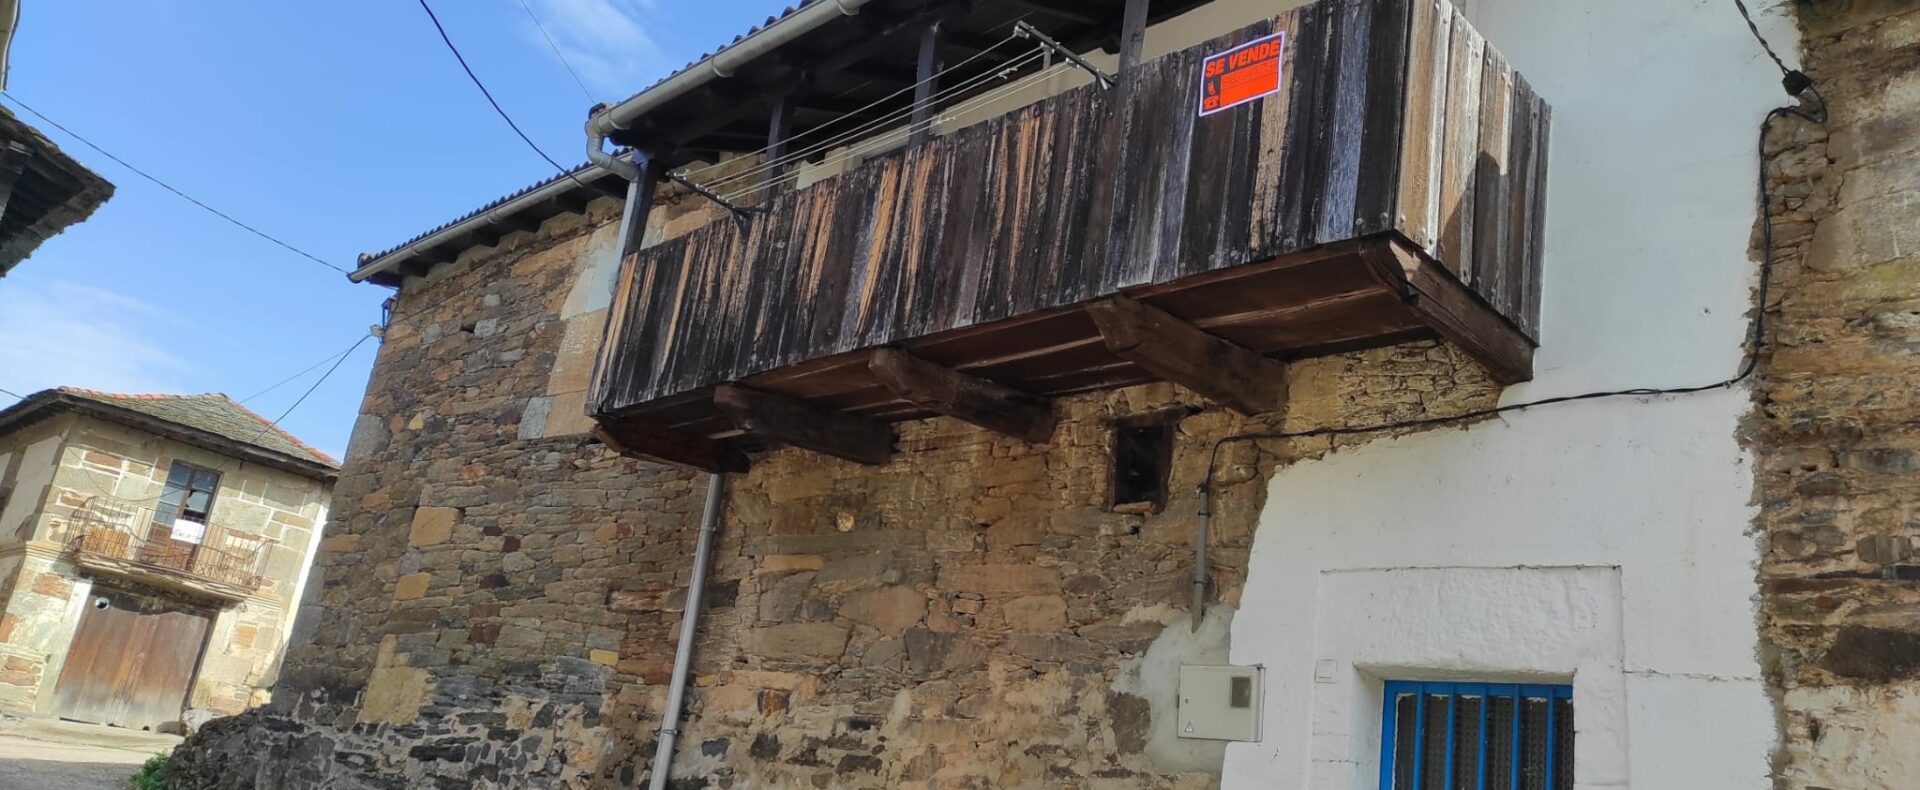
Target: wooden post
(779, 128)
(927, 84)
(633, 231)
(1133, 35)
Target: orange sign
(1242, 74)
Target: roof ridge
(215, 397)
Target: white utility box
(1220, 703)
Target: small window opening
(1142, 460)
(1479, 735)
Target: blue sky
(342, 127)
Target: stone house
(974, 420)
(151, 547)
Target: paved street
(40, 754)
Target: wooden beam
(778, 418)
(1184, 354)
(1443, 303)
(926, 83)
(1055, 11)
(779, 128)
(970, 399)
(1133, 35)
(635, 440)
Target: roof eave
(42, 406)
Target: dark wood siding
(1083, 195)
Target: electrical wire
(855, 113)
(872, 127)
(309, 369)
(169, 187)
(271, 425)
(883, 141)
(4, 391)
(556, 50)
(489, 94)
(1816, 114)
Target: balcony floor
(1354, 295)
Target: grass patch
(152, 776)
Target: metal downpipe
(689, 624)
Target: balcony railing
(1391, 190)
(127, 539)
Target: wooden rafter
(966, 398)
(1184, 354)
(646, 442)
(785, 420)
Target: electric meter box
(1220, 703)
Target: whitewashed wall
(1604, 543)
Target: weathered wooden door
(131, 660)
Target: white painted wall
(1609, 537)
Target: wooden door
(131, 661)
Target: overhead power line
(169, 187)
(4, 391)
(304, 371)
(556, 50)
(489, 94)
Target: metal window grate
(1476, 736)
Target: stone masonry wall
(1837, 424)
(497, 601)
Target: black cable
(4, 391)
(489, 94)
(308, 369)
(169, 187)
(556, 50)
(1755, 342)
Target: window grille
(1476, 736)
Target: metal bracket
(1024, 30)
(695, 188)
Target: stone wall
(85, 461)
(1837, 423)
(497, 601)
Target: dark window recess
(1142, 458)
(1476, 735)
(189, 494)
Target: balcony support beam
(784, 420)
(970, 399)
(1454, 313)
(1168, 347)
(652, 444)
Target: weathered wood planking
(1383, 125)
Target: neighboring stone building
(1706, 589)
(151, 547)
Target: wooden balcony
(124, 539)
(1392, 190)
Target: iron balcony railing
(135, 534)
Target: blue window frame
(1476, 736)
